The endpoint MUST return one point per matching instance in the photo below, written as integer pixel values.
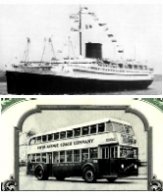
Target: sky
(136, 27)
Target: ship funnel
(93, 50)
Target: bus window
(101, 127)
(44, 138)
(125, 152)
(56, 136)
(38, 140)
(55, 157)
(32, 141)
(84, 154)
(105, 152)
(33, 158)
(93, 129)
(44, 158)
(50, 137)
(69, 133)
(128, 152)
(63, 135)
(49, 154)
(85, 130)
(69, 156)
(77, 132)
(62, 156)
(93, 153)
(113, 152)
(38, 158)
(122, 152)
(76, 155)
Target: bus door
(113, 159)
(107, 155)
(49, 161)
(104, 160)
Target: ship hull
(33, 83)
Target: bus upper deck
(88, 129)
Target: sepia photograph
(56, 49)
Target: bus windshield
(122, 128)
(128, 152)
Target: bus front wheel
(41, 174)
(89, 175)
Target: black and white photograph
(81, 99)
(82, 147)
(104, 49)
(108, 145)
(99, 150)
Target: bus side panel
(106, 167)
(49, 169)
(103, 166)
(67, 169)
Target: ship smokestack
(94, 50)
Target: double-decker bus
(104, 148)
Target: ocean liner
(79, 75)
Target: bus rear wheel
(41, 174)
(89, 175)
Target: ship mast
(26, 52)
(80, 30)
(78, 18)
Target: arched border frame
(125, 108)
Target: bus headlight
(135, 166)
(122, 166)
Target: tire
(40, 173)
(89, 175)
(111, 179)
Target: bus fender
(43, 166)
(90, 165)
